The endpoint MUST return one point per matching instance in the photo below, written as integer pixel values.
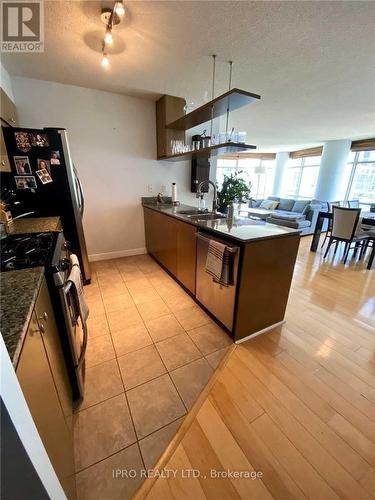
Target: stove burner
(22, 251)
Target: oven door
(77, 333)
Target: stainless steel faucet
(215, 205)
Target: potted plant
(233, 190)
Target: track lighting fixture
(111, 17)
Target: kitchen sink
(193, 211)
(207, 216)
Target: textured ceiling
(312, 62)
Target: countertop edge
(21, 340)
(291, 232)
(21, 333)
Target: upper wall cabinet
(8, 119)
(168, 109)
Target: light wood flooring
(296, 404)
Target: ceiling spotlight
(119, 9)
(108, 37)
(105, 61)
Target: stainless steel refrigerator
(46, 181)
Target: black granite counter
(19, 291)
(240, 228)
(35, 225)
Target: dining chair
(346, 229)
(370, 243)
(353, 203)
(331, 204)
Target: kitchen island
(263, 260)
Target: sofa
(297, 214)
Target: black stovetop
(20, 251)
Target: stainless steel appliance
(217, 298)
(57, 193)
(50, 250)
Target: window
(301, 176)
(260, 173)
(361, 183)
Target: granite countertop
(19, 291)
(240, 228)
(35, 225)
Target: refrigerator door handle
(80, 190)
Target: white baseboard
(271, 327)
(116, 255)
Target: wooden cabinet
(173, 244)
(42, 377)
(186, 254)
(8, 119)
(168, 109)
(52, 344)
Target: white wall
(6, 82)
(113, 144)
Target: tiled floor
(151, 352)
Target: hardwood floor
(296, 405)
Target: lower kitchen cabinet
(43, 378)
(173, 244)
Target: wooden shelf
(232, 100)
(227, 147)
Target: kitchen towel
(218, 262)
(76, 279)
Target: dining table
(367, 219)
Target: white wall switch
(149, 188)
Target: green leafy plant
(233, 190)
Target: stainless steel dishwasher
(218, 299)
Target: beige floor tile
(144, 295)
(177, 351)
(118, 302)
(168, 289)
(153, 445)
(102, 382)
(154, 309)
(192, 317)
(97, 326)
(139, 284)
(179, 301)
(130, 339)
(101, 430)
(106, 276)
(96, 307)
(140, 366)
(154, 405)
(210, 338)
(110, 290)
(191, 379)
(164, 327)
(97, 482)
(215, 357)
(99, 349)
(118, 320)
(148, 267)
(158, 277)
(131, 275)
(92, 292)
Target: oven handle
(84, 346)
(81, 358)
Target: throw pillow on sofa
(286, 204)
(268, 204)
(300, 206)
